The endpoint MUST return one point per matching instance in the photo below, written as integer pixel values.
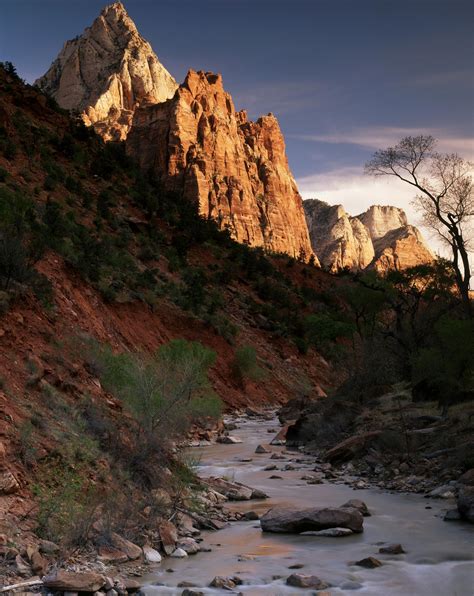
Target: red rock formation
(235, 169)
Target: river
(439, 555)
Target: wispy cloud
(375, 137)
(279, 97)
(436, 79)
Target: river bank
(438, 559)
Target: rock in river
(392, 549)
(296, 521)
(298, 580)
(357, 504)
(329, 533)
(466, 503)
(369, 563)
(234, 491)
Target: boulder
(131, 585)
(296, 521)
(350, 447)
(111, 555)
(467, 478)
(22, 567)
(445, 491)
(280, 437)
(262, 449)
(234, 491)
(228, 440)
(70, 581)
(357, 504)
(369, 563)
(48, 548)
(168, 535)
(329, 533)
(129, 548)
(452, 515)
(250, 515)
(466, 503)
(189, 545)
(298, 580)
(151, 555)
(179, 553)
(8, 483)
(38, 563)
(392, 549)
(223, 583)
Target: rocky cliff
(380, 238)
(339, 240)
(106, 72)
(235, 169)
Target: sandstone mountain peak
(380, 219)
(235, 169)
(380, 238)
(106, 72)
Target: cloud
(379, 137)
(435, 79)
(279, 97)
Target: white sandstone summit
(106, 72)
(380, 238)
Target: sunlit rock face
(106, 72)
(382, 219)
(400, 249)
(380, 238)
(191, 136)
(339, 240)
(235, 169)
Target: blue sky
(344, 77)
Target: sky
(344, 77)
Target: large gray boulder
(296, 521)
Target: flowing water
(439, 557)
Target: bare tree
(445, 198)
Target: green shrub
(245, 365)
(165, 393)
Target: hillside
(93, 251)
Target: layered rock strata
(235, 169)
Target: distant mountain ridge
(380, 238)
